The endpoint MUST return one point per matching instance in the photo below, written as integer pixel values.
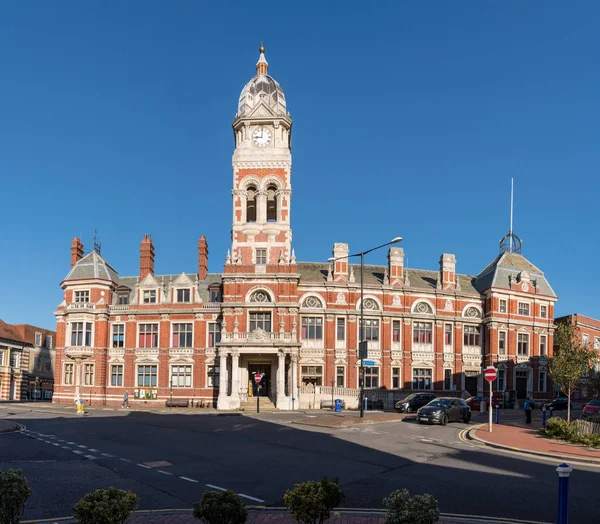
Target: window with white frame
(214, 334)
(340, 333)
(181, 376)
(422, 332)
(396, 331)
(212, 375)
(68, 373)
(501, 342)
(312, 328)
(422, 379)
(524, 308)
(544, 311)
(147, 376)
(38, 340)
(371, 377)
(48, 341)
(122, 299)
(149, 296)
(15, 359)
(88, 375)
(118, 335)
(472, 335)
(215, 294)
(502, 305)
(523, 344)
(501, 380)
(81, 334)
(1, 357)
(543, 345)
(585, 339)
(371, 329)
(82, 297)
(596, 342)
(47, 364)
(542, 381)
(183, 295)
(311, 375)
(261, 256)
(116, 375)
(148, 337)
(448, 334)
(447, 379)
(340, 376)
(260, 320)
(396, 384)
(182, 335)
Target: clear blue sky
(410, 118)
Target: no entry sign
(257, 378)
(490, 374)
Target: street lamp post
(362, 344)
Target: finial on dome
(262, 66)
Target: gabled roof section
(506, 265)
(8, 332)
(92, 266)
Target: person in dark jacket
(528, 407)
(125, 400)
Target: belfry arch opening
(271, 204)
(251, 204)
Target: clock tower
(262, 163)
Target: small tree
(311, 502)
(106, 506)
(221, 508)
(14, 492)
(404, 509)
(570, 361)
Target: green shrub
(404, 509)
(593, 418)
(313, 501)
(14, 492)
(106, 506)
(221, 508)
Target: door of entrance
(471, 378)
(262, 389)
(521, 385)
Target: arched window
(251, 205)
(271, 204)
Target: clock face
(261, 137)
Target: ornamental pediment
(183, 280)
(262, 110)
(149, 281)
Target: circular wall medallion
(525, 286)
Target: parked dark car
(413, 402)
(591, 408)
(443, 410)
(557, 404)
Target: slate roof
(418, 278)
(211, 278)
(506, 265)
(92, 266)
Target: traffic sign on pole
(491, 374)
(257, 378)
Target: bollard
(497, 414)
(365, 404)
(564, 470)
(543, 417)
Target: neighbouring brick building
(588, 332)
(27, 356)
(204, 336)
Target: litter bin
(338, 405)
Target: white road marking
(82, 446)
(215, 487)
(107, 455)
(66, 447)
(218, 430)
(143, 466)
(251, 498)
(91, 457)
(55, 444)
(188, 479)
(47, 441)
(78, 452)
(125, 460)
(71, 443)
(93, 450)
(164, 472)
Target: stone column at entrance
(234, 401)
(295, 379)
(281, 379)
(223, 400)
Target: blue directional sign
(369, 363)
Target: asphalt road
(169, 460)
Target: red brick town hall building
(202, 337)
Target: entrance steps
(266, 404)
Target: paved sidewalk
(516, 435)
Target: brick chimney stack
(396, 265)
(146, 257)
(340, 268)
(76, 251)
(202, 258)
(447, 271)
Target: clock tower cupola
(262, 164)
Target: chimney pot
(202, 258)
(76, 251)
(146, 257)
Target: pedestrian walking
(528, 406)
(125, 400)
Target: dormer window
(82, 297)
(49, 341)
(38, 340)
(122, 299)
(251, 205)
(215, 294)
(183, 295)
(150, 296)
